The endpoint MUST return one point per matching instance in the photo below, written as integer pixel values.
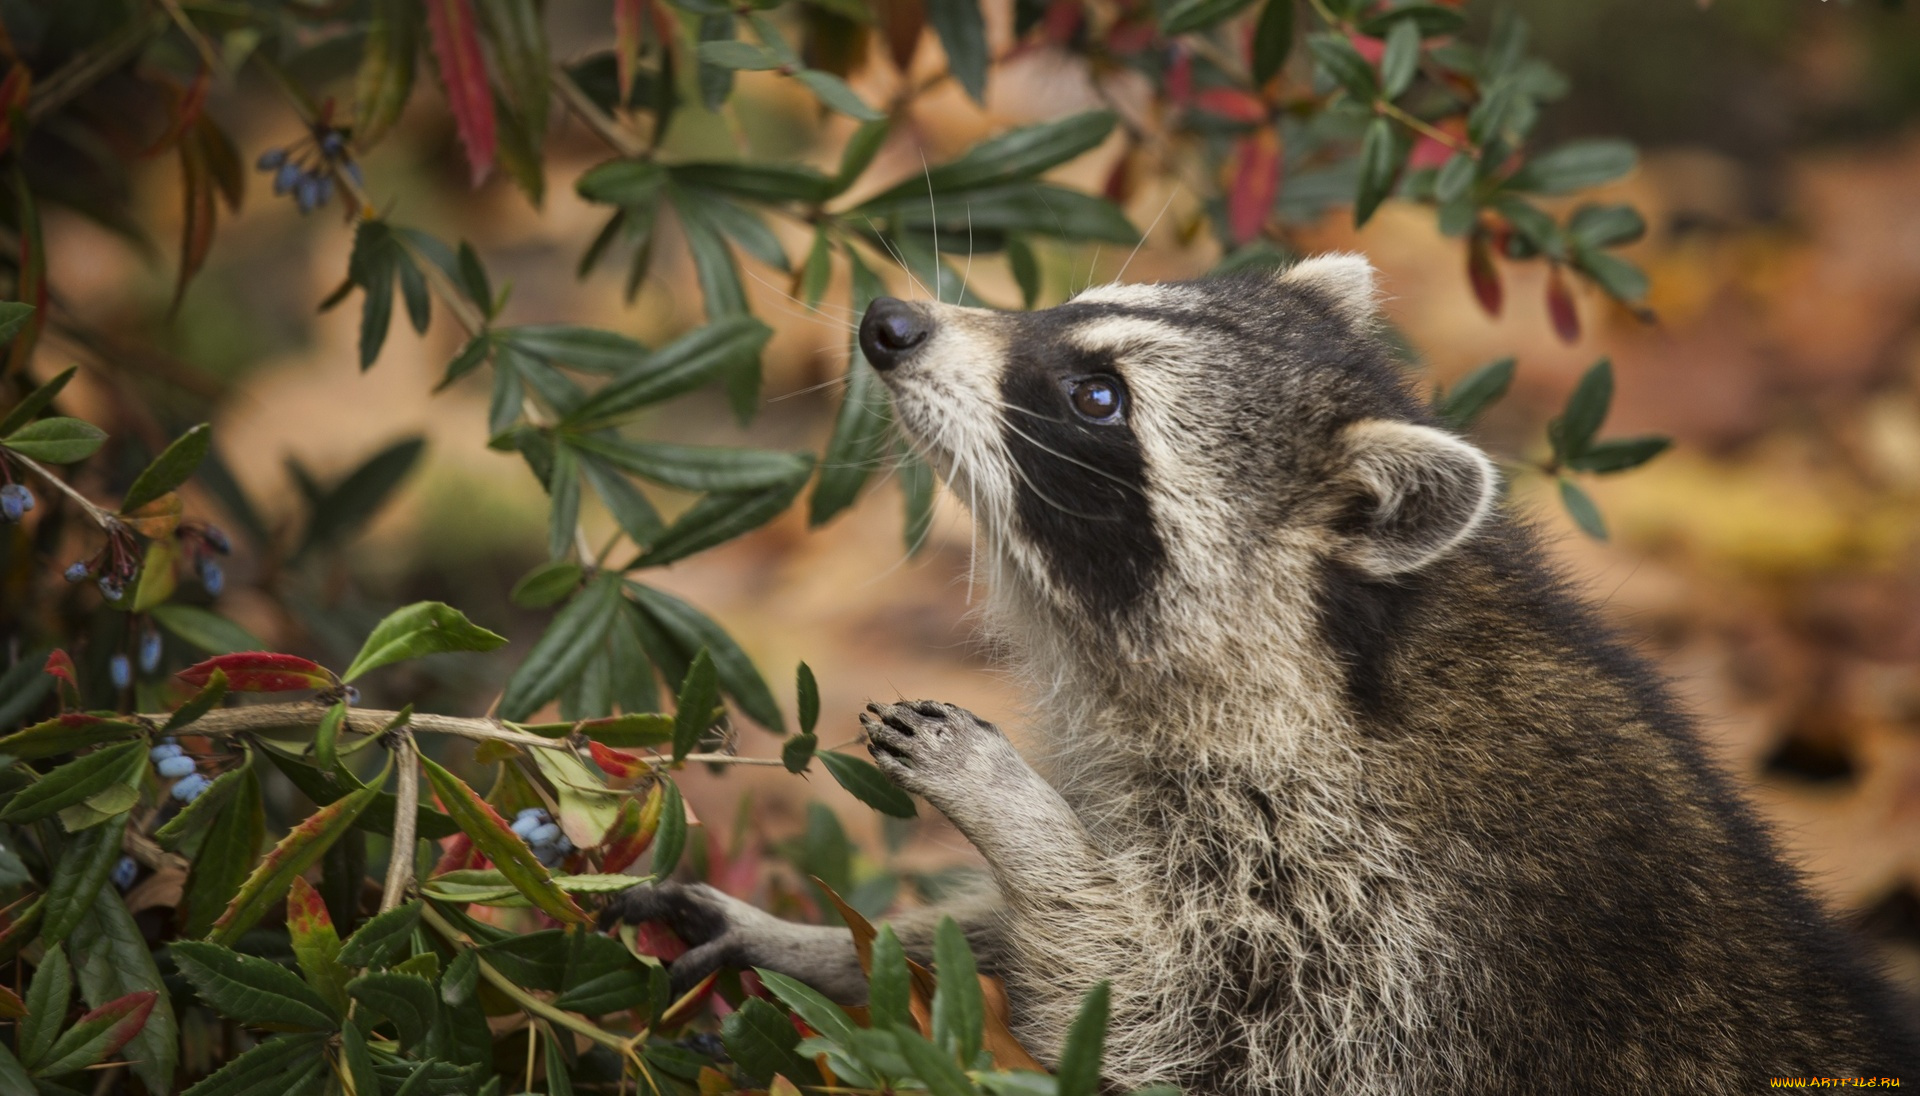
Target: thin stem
(209, 56)
(529, 1003)
(1424, 128)
(105, 518)
(406, 820)
(89, 68)
(597, 120)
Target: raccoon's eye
(1097, 399)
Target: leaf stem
(1424, 128)
(105, 518)
(406, 821)
(596, 119)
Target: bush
(135, 802)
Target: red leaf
(457, 854)
(201, 214)
(631, 833)
(129, 1014)
(1233, 104)
(1483, 275)
(1256, 179)
(1180, 76)
(1119, 185)
(11, 1006)
(1373, 49)
(13, 96)
(183, 110)
(463, 74)
(306, 913)
(1131, 37)
(629, 31)
(260, 672)
(1061, 22)
(60, 665)
(1566, 320)
(903, 21)
(654, 938)
(623, 769)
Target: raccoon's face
(1188, 441)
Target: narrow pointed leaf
(478, 820)
(170, 469)
(75, 782)
(868, 784)
(297, 852)
(561, 654)
(423, 628)
(55, 440)
(252, 991)
(316, 946)
(463, 75)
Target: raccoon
(1335, 782)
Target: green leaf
(63, 733)
(671, 838)
(37, 400)
(692, 630)
(988, 212)
(1272, 40)
(1585, 412)
(796, 753)
(13, 314)
(561, 654)
(358, 1063)
(48, 997)
(13, 1078)
(834, 94)
(1455, 178)
(563, 500)
(1620, 454)
(76, 781)
(1621, 279)
(817, 271)
(383, 938)
(423, 628)
(341, 512)
(199, 704)
(1078, 1073)
(718, 518)
(55, 440)
(1575, 165)
(1401, 61)
(298, 851)
(316, 946)
(963, 35)
(98, 1033)
(819, 1013)
(699, 467)
(932, 1065)
(1382, 153)
(326, 737)
(226, 855)
(516, 32)
(371, 267)
(868, 785)
(205, 629)
(1475, 392)
(916, 492)
(1580, 507)
(546, 584)
(477, 818)
(622, 182)
(1187, 16)
(808, 691)
(406, 999)
(252, 991)
(270, 1069)
(676, 368)
(959, 1010)
(114, 960)
(745, 228)
(760, 1040)
(1025, 269)
(734, 54)
(859, 152)
(1012, 156)
(587, 349)
(85, 862)
(1429, 20)
(771, 183)
(693, 711)
(200, 813)
(628, 507)
(861, 426)
(385, 79)
(887, 994)
(1597, 226)
(1339, 60)
(472, 278)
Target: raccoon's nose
(891, 331)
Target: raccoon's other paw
(717, 928)
(943, 752)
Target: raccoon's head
(1154, 467)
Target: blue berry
(562, 845)
(78, 571)
(216, 540)
(120, 669)
(331, 144)
(164, 751)
(524, 827)
(212, 577)
(531, 812)
(124, 872)
(15, 501)
(543, 834)
(189, 787)
(287, 177)
(174, 767)
(306, 193)
(271, 159)
(351, 695)
(111, 588)
(149, 651)
(322, 191)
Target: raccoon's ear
(1344, 278)
(1421, 492)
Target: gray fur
(1335, 784)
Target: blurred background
(1770, 562)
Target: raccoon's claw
(702, 917)
(922, 745)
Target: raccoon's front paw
(940, 751)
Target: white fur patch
(1434, 492)
(1346, 277)
(1138, 295)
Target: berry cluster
(172, 763)
(119, 560)
(306, 169)
(120, 667)
(203, 544)
(542, 834)
(15, 501)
